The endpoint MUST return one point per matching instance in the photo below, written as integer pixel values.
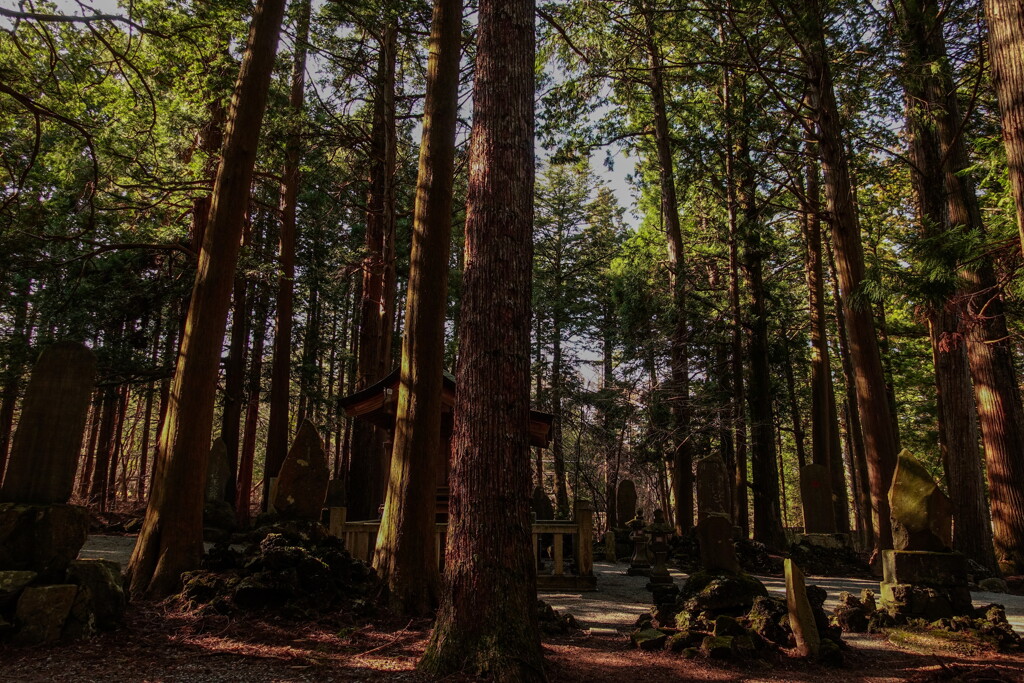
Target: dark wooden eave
(376, 405)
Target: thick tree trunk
(280, 373)
(877, 419)
(377, 309)
(681, 459)
(925, 55)
(171, 537)
(557, 444)
(1005, 20)
(247, 454)
(405, 558)
(487, 623)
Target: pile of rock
(829, 560)
(553, 622)
(295, 568)
(45, 593)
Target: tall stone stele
(922, 578)
(44, 455)
(304, 477)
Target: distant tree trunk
(825, 444)
(681, 459)
(278, 435)
(740, 511)
(854, 430)
(12, 374)
(764, 458)
(85, 473)
(487, 623)
(794, 407)
(247, 456)
(612, 456)
(405, 557)
(110, 497)
(557, 444)
(234, 383)
(925, 56)
(104, 449)
(369, 461)
(1005, 20)
(879, 438)
(171, 538)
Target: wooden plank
(559, 569)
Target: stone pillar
(583, 511)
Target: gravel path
(619, 599)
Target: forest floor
(163, 643)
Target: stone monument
(660, 532)
(801, 617)
(717, 552)
(921, 576)
(625, 501)
(304, 477)
(45, 593)
(713, 488)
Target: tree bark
(280, 371)
(487, 623)
(171, 538)
(1005, 19)
(377, 310)
(876, 415)
(925, 57)
(405, 558)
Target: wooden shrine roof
(376, 404)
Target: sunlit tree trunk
(405, 558)
(487, 623)
(879, 437)
(1005, 19)
(171, 538)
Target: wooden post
(584, 514)
(336, 520)
(559, 568)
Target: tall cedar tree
(878, 424)
(280, 372)
(405, 558)
(487, 623)
(926, 61)
(171, 540)
(377, 307)
(1005, 20)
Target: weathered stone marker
(44, 455)
(816, 499)
(713, 488)
(922, 517)
(217, 472)
(639, 563)
(717, 552)
(542, 506)
(660, 531)
(304, 477)
(625, 501)
(920, 578)
(801, 617)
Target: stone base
(924, 568)
(638, 570)
(41, 538)
(905, 601)
(656, 581)
(830, 541)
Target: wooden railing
(554, 572)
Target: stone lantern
(660, 531)
(638, 564)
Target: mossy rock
(830, 653)
(769, 618)
(690, 652)
(728, 626)
(722, 592)
(649, 639)
(717, 647)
